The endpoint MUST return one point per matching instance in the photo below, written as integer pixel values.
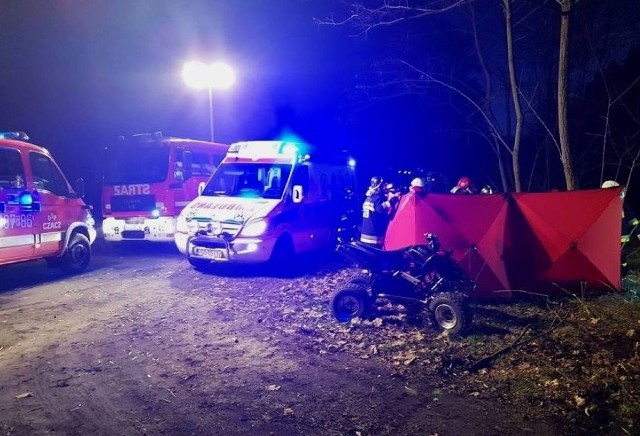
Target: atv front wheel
(351, 302)
(450, 314)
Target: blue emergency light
(27, 201)
(17, 135)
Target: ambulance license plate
(209, 253)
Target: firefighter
(392, 199)
(417, 186)
(464, 186)
(375, 214)
(629, 223)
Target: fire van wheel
(77, 256)
(351, 302)
(450, 314)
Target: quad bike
(419, 277)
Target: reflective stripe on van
(23, 240)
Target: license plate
(209, 253)
(133, 227)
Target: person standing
(375, 214)
(629, 226)
(464, 186)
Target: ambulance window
(11, 169)
(47, 176)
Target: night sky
(76, 74)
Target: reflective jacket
(375, 219)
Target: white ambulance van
(267, 201)
(41, 216)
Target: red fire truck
(41, 216)
(148, 179)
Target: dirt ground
(143, 344)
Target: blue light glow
(289, 149)
(25, 199)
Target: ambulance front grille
(208, 227)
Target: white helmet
(417, 183)
(610, 184)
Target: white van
(267, 201)
(41, 216)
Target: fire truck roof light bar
(17, 135)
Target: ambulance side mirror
(297, 194)
(201, 186)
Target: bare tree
(563, 67)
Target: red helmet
(464, 182)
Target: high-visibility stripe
(24, 240)
(17, 241)
(51, 237)
(369, 239)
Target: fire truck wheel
(201, 265)
(77, 256)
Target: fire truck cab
(41, 216)
(268, 200)
(148, 179)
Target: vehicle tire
(449, 313)
(361, 281)
(77, 256)
(201, 265)
(351, 302)
(282, 259)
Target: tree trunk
(515, 153)
(563, 127)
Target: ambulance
(41, 216)
(267, 201)
(148, 178)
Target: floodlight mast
(218, 75)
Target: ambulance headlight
(155, 213)
(254, 228)
(181, 224)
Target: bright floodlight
(221, 75)
(218, 75)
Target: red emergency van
(148, 179)
(269, 200)
(41, 215)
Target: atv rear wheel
(449, 313)
(351, 302)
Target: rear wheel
(351, 302)
(449, 313)
(77, 256)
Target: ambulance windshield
(136, 165)
(252, 180)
